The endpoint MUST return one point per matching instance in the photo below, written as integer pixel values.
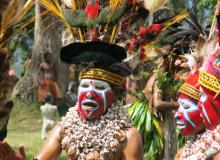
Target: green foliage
(205, 11)
(177, 5)
(148, 126)
(181, 140)
(167, 82)
(203, 4)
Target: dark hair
(48, 97)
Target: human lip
(89, 104)
(180, 125)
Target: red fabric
(48, 86)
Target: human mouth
(180, 125)
(89, 105)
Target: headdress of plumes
(210, 62)
(91, 19)
(96, 27)
(14, 12)
(201, 51)
(145, 38)
(191, 61)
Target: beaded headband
(210, 82)
(104, 75)
(190, 91)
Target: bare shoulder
(132, 133)
(52, 147)
(134, 138)
(217, 156)
(134, 146)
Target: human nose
(89, 94)
(178, 115)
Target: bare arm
(217, 156)
(52, 148)
(148, 90)
(161, 105)
(134, 147)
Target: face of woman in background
(94, 98)
(188, 117)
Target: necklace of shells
(205, 146)
(95, 139)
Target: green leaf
(148, 126)
(142, 119)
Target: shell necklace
(94, 139)
(205, 146)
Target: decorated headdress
(187, 116)
(110, 21)
(98, 60)
(209, 80)
(191, 87)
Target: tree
(47, 39)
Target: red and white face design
(188, 117)
(210, 107)
(94, 98)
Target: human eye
(84, 85)
(100, 87)
(186, 106)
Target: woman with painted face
(187, 116)
(191, 119)
(98, 127)
(209, 80)
(206, 145)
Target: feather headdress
(12, 15)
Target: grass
(24, 128)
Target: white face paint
(186, 107)
(94, 97)
(188, 117)
(203, 99)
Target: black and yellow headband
(100, 74)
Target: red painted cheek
(109, 97)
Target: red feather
(92, 10)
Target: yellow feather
(115, 3)
(177, 18)
(13, 14)
(54, 7)
(9, 15)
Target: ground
(24, 128)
